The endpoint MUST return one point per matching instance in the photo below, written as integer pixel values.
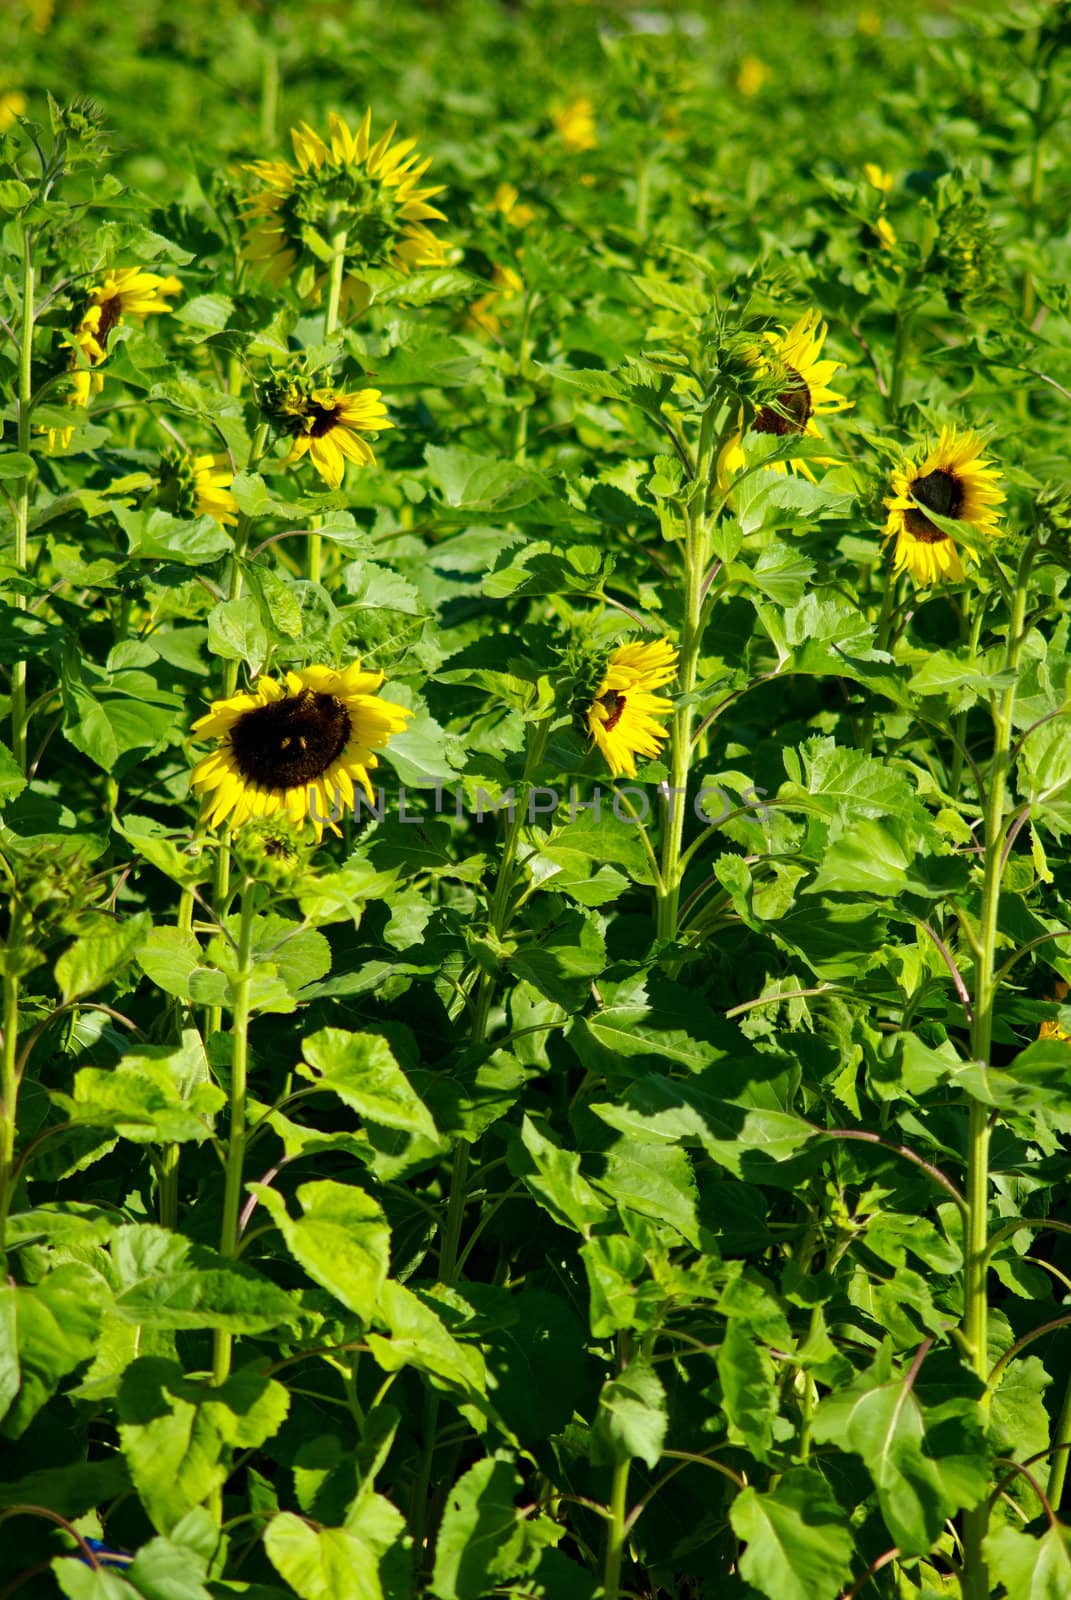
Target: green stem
(269, 94)
(1037, 186)
(881, 642)
(232, 1190)
(1060, 1440)
(9, 1089)
(22, 503)
(901, 344)
(167, 1187)
(696, 557)
(975, 1578)
(643, 196)
(615, 1532)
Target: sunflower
(806, 395)
(1050, 1028)
(954, 481)
(326, 424)
(369, 192)
(12, 107)
(197, 486)
(123, 291)
(621, 717)
(575, 124)
(295, 747)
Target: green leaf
(322, 1563)
(177, 1433)
(14, 464)
(360, 1068)
(631, 1419)
(553, 1175)
(210, 312)
(342, 1240)
(237, 633)
(158, 536)
(418, 1338)
(927, 1463)
(748, 1388)
(1034, 1565)
(799, 1544)
(49, 1329)
(156, 1095)
(12, 781)
(81, 1582)
(472, 482)
(571, 951)
(98, 957)
(482, 1535)
(167, 1281)
(169, 957)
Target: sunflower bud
(177, 483)
(1052, 507)
(269, 852)
(964, 255)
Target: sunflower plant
(534, 812)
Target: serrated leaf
(798, 1542)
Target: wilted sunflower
(954, 481)
(296, 747)
(325, 424)
(370, 192)
(806, 395)
(197, 486)
(621, 717)
(123, 291)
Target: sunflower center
(615, 705)
(792, 412)
(288, 743)
(110, 312)
(940, 491)
(321, 420)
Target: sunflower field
(535, 800)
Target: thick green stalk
(1061, 1440)
(975, 1579)
(615, 1532)
(232, 1191)
(1036, 189)
(9, 1090)
(696, 557)
(314, 547)
(22, 502)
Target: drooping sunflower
(122, 292)
(197, 486)
(326, 424)
(295, 747)
(622, 717)
(347, 185)
(955, 481)
(806, 395)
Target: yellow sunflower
(295, 748)
(1050, 1028)
(123, 291)
(954, 481)
(622, 716)
(12, 106)
(197, 486)
(575, 124)
(807, 395)
(370, 192)
(326, 425)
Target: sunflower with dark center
(296, 748)
(326, 424)
(955, 483)
(347, 186)
(806, 396)
(622, 717)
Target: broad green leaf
(147, 1097)
(341, 1239)
(553, 1175)
(927, 1463)
(12, 779)
(322, 1563)
(79, 1581)
(167, 1281)
(50, 1328)
(798, 1541)
(482, 1534)
(1034, 1565)
(98, 957)
(631, 1419)
(419, 1339)
(360, 1068)
(177, 1433)
(748, 1388)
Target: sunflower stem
(232, 1191)
(975, 1579)
(9, 1077)
(1039, 123)
(19, 717)
(696, 556)
(901, 348)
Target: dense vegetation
(535, 793)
